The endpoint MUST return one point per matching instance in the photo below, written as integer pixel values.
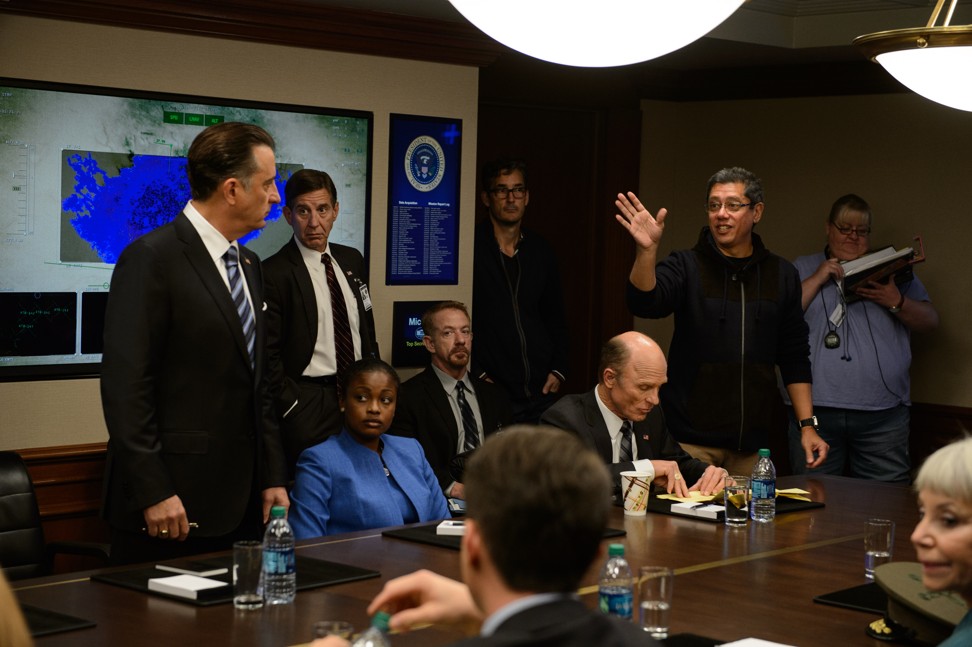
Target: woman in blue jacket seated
(362, 479)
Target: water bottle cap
(380, 621)
(764, 453)
(278, 512)
(615, 549)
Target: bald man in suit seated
(621, 420)
(430, 407)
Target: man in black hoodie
(738, 317)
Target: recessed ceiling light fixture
(596, 34)
(935, 62)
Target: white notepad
(185, 586)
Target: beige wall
(909, 157)
(40, 414)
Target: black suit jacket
(424, 412)
(186, 413)
(563, 623)
(580, 414)
(293, 310)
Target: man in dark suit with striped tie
(445, 407)
(194, 457)
(319, 313)
(621, 419)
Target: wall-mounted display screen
(87, 170)
(408, 351)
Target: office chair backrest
(22, 550)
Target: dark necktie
(625, 455)
(232, 260)
(470, 431)
(343, 345)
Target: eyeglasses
(503, 191)
(731, 207)
(847, 231)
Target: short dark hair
(852, 202)
(754, 186)
(439, 307)
(369, 365)
(501, 166)
(307, 180)
(540, 499)
(614, 355)
(221, 152)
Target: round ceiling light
(601, 34)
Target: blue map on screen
(111, 204)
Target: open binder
(880, 266)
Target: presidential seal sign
(424, 163)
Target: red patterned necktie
(343, 345)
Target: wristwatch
(897, 308)
(810, 422)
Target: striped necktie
(625, 455)
(470, 431)
(343, 344)
(232, 261)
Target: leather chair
(23, 551)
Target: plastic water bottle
(377, 633)
(763, 506)
(279, 563)
(615, 593)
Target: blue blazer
(341, 486)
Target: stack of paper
(187, 586)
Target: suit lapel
(209, 276)
(599, 430)
(649, 434)
(440, 403)
(304, 286)
(486, 407)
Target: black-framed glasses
(860, 232)
(731, 207)
(503, 191)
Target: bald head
(632, 369)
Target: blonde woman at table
(943, 536)
(362, 478)
(13, 628)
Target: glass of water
(655, 599)
(878, 544)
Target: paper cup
(635, 488)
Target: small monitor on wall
(408, 351)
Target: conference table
(730, 583)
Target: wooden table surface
(730, 583)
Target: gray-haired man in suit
(192, 435)
(315, 289)
(431, 404)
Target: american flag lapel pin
(644, 437)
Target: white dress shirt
(324, 359)
(613, 423)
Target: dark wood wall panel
(67, 480)
(578, 159)
(283, 22)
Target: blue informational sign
(423, 201)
